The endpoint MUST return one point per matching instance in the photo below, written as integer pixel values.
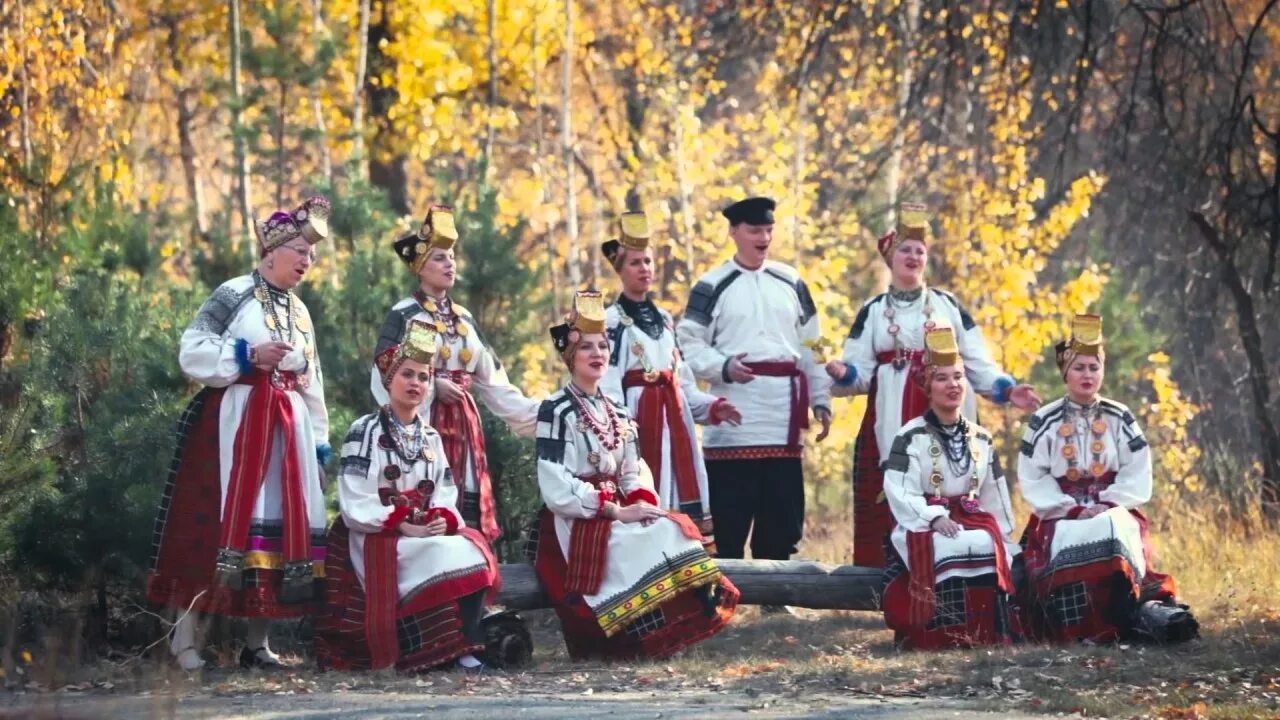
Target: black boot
(1165, 622)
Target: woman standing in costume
(240, 529)
(406, 578)
(626, 578)
(884, 348)
(1085, 469)
(647, 374)
(465, 366)
(950, 578)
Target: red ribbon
(661, 397)
(462, 435)
(267, 409)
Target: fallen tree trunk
(801, 583)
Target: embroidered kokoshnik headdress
(438, 231)
(940, 350)
(633, 234)
(587, 317)
(1086, 339)
(913, 224)
(419, 345)
(310, 221)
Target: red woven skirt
(872, 521)
(185, 544)
(428, 629)
(676, 624)
(969, 612)
(1089, 593)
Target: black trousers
(768, 492)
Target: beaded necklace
(607, 430)
(403, 446)
(902, 300)
(962, 458)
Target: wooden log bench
(800, 583)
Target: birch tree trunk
(493, 84)
(243, 188)
(535, 70)
(186, 146)
(910, 18)
(357, 92)
(322, 129)
(566, 138)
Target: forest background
(1111, 156)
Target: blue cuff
(850, 374)
(242, 357)
(1001, 387)
(324, 453)
(724, 371)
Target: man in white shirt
(744, 331)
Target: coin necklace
(896, 300)
(448, 323)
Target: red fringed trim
(642, 494)
(397, 516)
(450, 519)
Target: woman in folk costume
(406, 578)
(626, 578)
(240, 529)
(466, 368)
(647, 374)
(951, 575)
(885, 347)
(1085, 469)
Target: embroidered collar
(906, 296)
(644, 315)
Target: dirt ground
(819, 665)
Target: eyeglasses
(307, 252)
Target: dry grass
(1228, 574)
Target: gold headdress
(913, 224)
(419, 345)
(633, 234)
(1086, 339)
(438, 231)
(940, 348)
(587, 316)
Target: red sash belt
(920, 550)
(661, 398)
(462, 435)
(799, 394)
(589, 543)
(267, 409)
(1087, 487)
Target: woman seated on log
(406, 578)
(951, 576)
(626, 578)
(1085, 468)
